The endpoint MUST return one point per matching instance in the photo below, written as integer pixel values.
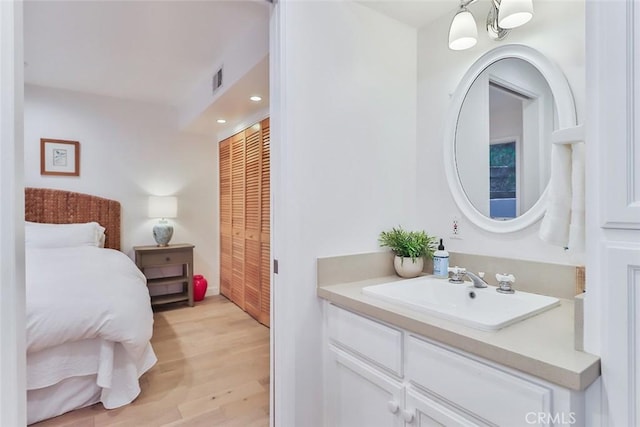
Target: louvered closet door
(225, 218)
(237, 218)
(252, 221)
(245, 259)
(265, 218)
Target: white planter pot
(408, 268)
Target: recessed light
(221, 121)
(255, 98)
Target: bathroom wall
(557, 30)
(343, 132)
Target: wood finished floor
(212, 370)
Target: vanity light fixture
(503, 16)
(255, 98)
(513, 13)
(463, 33)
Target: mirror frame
(566, 111)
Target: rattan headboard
(63, 207)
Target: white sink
(483, 308)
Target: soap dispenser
(441, 262)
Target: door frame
(13, 405)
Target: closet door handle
(393, 406)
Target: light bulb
(463, 33)
(514, 13)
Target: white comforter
(84, 293)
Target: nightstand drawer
(168, 258)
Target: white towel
(555, 225)
(577, 227)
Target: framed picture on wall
(59, 157)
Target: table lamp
(163, 207)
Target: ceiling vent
(217, 81)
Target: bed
(89, 317)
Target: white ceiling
(153, 51)
(163, 51)
(235, 107)
(416, 13)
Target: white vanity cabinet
(426, 411)
(360, 395)
(381, 375)
(364, 371)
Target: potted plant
(410, 249)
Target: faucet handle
(457, 270)
(457, 274)
(481, 274)
(505, 282)
(505, 278)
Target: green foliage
(502, 170)
(411, 244)
(503, 154)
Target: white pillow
(99, 234)
(103, 238)
(63, 235)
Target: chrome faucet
(477, 280)
(458, 274)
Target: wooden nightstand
(163, 256)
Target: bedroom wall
(130, 150)
(558, 31)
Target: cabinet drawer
(487, 392)
(167, 258)
(378, 343)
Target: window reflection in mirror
(503, 192)
(503, 135)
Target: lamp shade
(463, 33)
(163, 207)
(513, 13)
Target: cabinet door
(245, 260)
(226, 269)
(237, 218)
(252, 277)
(265, 283)
(616, 137)
(253, 159)
(265, 224)
(612, 305)
(225, 217)
(359, 395)
(427, 412)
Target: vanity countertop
(542, 346)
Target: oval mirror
(498, 144)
